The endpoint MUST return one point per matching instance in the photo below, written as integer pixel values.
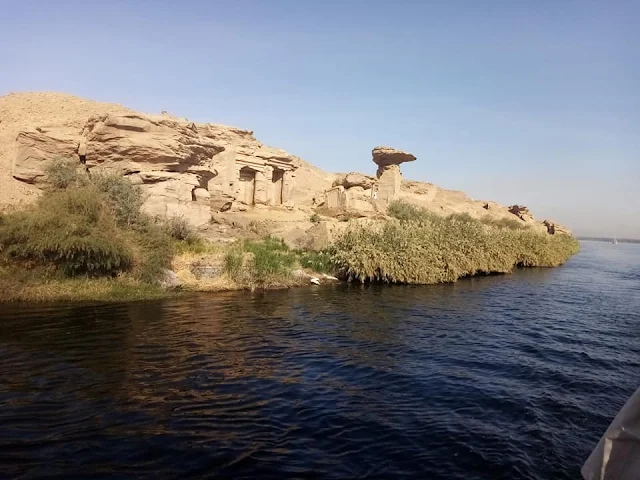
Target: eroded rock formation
(185, 168)
(197, 169)
(521, 212)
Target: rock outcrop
(354, 179)
(555, 228)
(521, 212)
(34, 148)
(195, 170)
(186, 169)
(133, 143)
(385, 156)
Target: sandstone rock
(35, 148)
(336, 198)
(521, 212)
(177, 162)
(383, 156)
(223, 185)
(154, 177)
(137, 143)
(354, 179)
(389, 183)
(169, 280)
(201, 195)
(202, 270)
(389, 177)
(555, 228)
(175, 198)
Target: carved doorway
(277, 185)
(247, 185)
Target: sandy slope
(21, 111)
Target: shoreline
(100, 290)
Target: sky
(528, 102)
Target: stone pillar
(268, 175)
(224, 183)
(287, 186)
(261, 195)
(237, 186)
(336, 198)
(389, 181)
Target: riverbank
(210, 268)
(87, 239)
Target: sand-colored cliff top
(24, 111)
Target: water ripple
(500, 377)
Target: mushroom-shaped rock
(384, 156)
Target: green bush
(155, 252)
(271, 258)
(180, 229)
(233, 265)
(125, 198)
(70, 230)
(406, 212)
(86, 225)
(259, 263)
(513, 224)
(64, 173)
(320, 262)
(315, 218)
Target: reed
(423, 248)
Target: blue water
(512, 376)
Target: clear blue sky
(532, 102)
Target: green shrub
(259, 263)
(315, 218)
(71, 230)
(125, 198)
(86, 225)
(510, 223)
(155, 252)
(406, 212)
(63, 173)
(267, 264)
(320, 262)
(233, 264)
(180, 229)
(271, 258)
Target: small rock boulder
(169, 280)
(555, 228)
(354, 179)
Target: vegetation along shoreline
(87, 238)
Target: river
(513, 376)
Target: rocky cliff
(195, 170)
